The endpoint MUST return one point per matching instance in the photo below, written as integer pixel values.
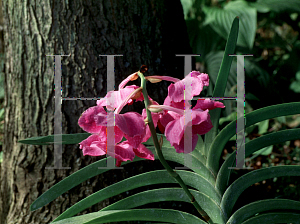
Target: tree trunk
(144, 31)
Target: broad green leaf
(274, 217)
(48, 140)
(253, 208)
(187, 6)
(199, 148)
(221, 82)
(230, 117)
(263, 127)
(202, 40)
(159, 215)
(251, 147)
(154, 177)
(253, 117)
(295, 86)
(220, 21)
(277, 5)
(170, 194)
(237, 187)
(281, 119)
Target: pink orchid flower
(172, 121)
(116, 97)
(95, 120)
(198, 80)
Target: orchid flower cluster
(169, 118)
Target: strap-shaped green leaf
(154, 177)
(197, 153)
(253, 208)
(251, 147)
(221, 82)
(237, 187)
(170, 194)
(253, 117)
(275, 217)
(159, 215)
(71, 181)
(92, 170)
(48, 140)
(197, 166)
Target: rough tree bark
(145, 31)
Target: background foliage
(269, 30)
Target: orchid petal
(176, 91)
(180, 148)
(87, 121)
(143, 152)
(123, 152)
(209, 104)
(93, 146)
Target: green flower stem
(160, 155)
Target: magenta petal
(123, 152)
(180, 148)
(168, 117)
(118, 134)
(133, 127)
(87, 121)
(101, 118)
(143, 152)
(204, 78)
(131, 123)
(114, 98)
(174, 130)
(198, 80)
(93, 146)
(135, 141)
(204, 104)
(201, 122)
(176, 91)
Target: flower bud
(154, 108)
(137, 94)
(134, 76)
(153, 80)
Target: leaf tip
(32, 207)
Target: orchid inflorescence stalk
(169, 117)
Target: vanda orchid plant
(213, 197)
